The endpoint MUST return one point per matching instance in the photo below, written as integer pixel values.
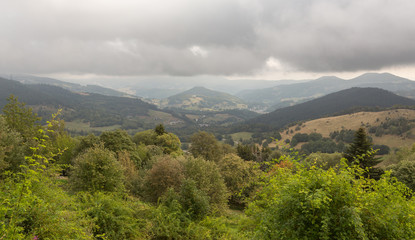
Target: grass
(243, 135)
(81, 126)
(353, 121)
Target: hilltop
(201, 98)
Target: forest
(145, 186)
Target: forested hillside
(346, 101)
(94, 109)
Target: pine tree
(360, 152)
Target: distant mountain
(288, 95)
(163, 87)
(334, 103)
(200, 98)
(95, 109)
(29, 79)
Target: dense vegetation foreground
(114, 186)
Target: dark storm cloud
(188, 37)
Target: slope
(287, 95)
(334, 103)
(29, 79)
(95, 109)
(200, 98)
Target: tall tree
(360, 152)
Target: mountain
(334, 103)
(200, 98)
(288, 95)
(164, 87)
(95, 110)
(29, 79)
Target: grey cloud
(154, 37)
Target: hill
(334, 103)
(29, 79)
(369, 120)
(87, 109)
(200, 98)
(288, 95)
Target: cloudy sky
(270, 39)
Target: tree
(159, 130)
(147, 137)
(21, 119)
(360, 152)
(204, 144)
(169, 142)
(208, 179)
(117, 140)
(239, 175)
(166, 173)
(97, 169)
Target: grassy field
(243, 135)
(353, 121)
(81, 126)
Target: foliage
(208, 179)
(97, 169)
(117, 140)
(360, 152)
(159, 130)
(114, 217)
(323, 160)
(170, 143)
(21, 119)
(239, 176)
(404, 171)
(166, 173)
(318, 204)
(194, 201)
(205, 145)
(35, 207)
(11, 149)
(147, 137)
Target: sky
(257, 39)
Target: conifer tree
(360, 152)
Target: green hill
(344, 101)
(95, 110)
(200, 98)
(29, 79)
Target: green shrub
(97, 169)
(319, 204)
(208, 179)
(114, 217)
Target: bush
(319, 204)
(239, 176)
(208, 179)
(97, 169)
(166, 173)
(115, 218)
(404, 171)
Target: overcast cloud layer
(217, 37)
